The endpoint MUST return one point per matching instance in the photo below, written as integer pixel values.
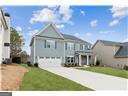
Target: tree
(16, 43)
(24, 57)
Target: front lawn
(41, 80)
(107, 70)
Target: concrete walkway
(92, 80)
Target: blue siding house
(49, 47)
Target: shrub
(7, 61)
(125, 67)
(29, 64)
(70, 64)
(97, 63)
(36, 64)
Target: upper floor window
(66, 46)
(70, 46)
(82, 47)
(88, 46)
(50, 44)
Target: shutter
(45, 44)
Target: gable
(50, 31)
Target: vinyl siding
(106, 55)
(41, 51)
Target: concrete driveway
(92, 80)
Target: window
(88, 46)
(65, 46)
(82, 47)
(53, 57)
(50, 44)
(42, 57)
(70, 46)
(70, 59)
(55, 44)
(74, 46)
(58, 57)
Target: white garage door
(49, 62)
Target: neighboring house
(113, 54)
(51, 48)
(4, 36)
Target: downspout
(64, 52)
(34, 48)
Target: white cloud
(29, 28)
(119, 12)
(106, 32)
(125, 40)
(94, 23)
(82, 12)
(60, 26)
(83, 36)
(32, 32)
(114, 22)
(58, 14)
(18, 28)
(88, 34)
(66, 13)
(77, 34)
(44, 15)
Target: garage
(49, 61)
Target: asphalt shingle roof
(111, 43)
(123, 50)
(71, 37)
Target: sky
(89, 23)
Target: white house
(4, 36)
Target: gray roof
(123, 50)
(71, 37)
(111, 43)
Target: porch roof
(86, 52)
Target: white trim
(34, 49)
(87, 59)
(46, 28)
(80, 60)
(64, 52)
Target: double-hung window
(82, 47)
(50, 44)
(70, 46)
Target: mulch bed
(11, 77)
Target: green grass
(107, 70)
(41, 80)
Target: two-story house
(4, 36)
(49, 47)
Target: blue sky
(86, 22)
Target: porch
(83, 57)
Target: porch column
(79, 60)
(87, 59)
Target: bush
(125, 67)
(97, 63)
(36, 64)
(70, 65)
(7, 61)
(29, 64)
